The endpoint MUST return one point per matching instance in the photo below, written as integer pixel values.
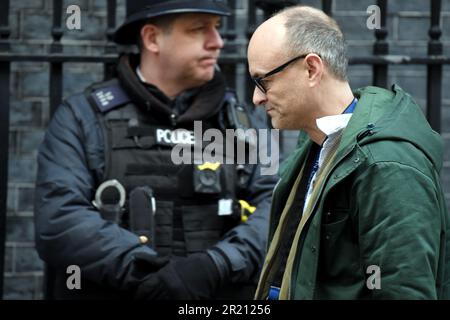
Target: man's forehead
(258, 61)
(264, 56)
(267, 45)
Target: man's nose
(214, 40)
(259, 97)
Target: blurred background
(43, 60)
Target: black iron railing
(231, 58)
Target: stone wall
(30, 21)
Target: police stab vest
(176, 209)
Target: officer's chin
(199, 81)
(206, 74)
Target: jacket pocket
(164, 228)
(202, 227)
(338, 253)
(333, 232)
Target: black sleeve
(69, 230)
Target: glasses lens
(258, 83)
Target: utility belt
(136, 211)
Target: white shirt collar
(139, 74)
(333, 124)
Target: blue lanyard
(351, 106)
(274, 293)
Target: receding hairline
(311, 30)
(289, 12)
(302, 8)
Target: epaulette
(109, 97)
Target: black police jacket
(70, 230)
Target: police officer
(109, 198)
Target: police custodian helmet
(141, 10)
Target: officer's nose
(214, 40)
(259, 97)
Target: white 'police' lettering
(178, 136)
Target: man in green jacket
(359, 212)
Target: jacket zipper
(173, 119)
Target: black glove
(184, 278)
(145, 263)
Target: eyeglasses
(259, 81)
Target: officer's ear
(149, 37)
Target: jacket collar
(203, 102)
(355, 128)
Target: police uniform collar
(180, 103)
(205, 101)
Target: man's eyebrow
(256, 74)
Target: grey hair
(309, 30)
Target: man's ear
(316, 68)
(149, 37)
